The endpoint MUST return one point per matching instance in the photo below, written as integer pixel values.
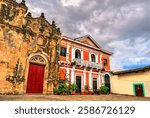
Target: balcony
(89, 64)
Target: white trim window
(77, 54)
(93, 58)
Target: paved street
(110, 97)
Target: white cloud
(121, 26)
(126, 54)
(35, 11)
(75, 3)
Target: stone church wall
(21, 36)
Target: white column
(96, 58)
(90, 80)
(73, 54)
(98, 81)
(67, 56)
(67, 74)
(89, 56)
(72, 75)
(100, 59)
(102, 79)
(84, 76)
(82, 54)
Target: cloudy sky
(120, 26)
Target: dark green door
(78, 83)
(107, 82)
(94, 85)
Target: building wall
(86, 79)
(123, 84)
(85, 53)
(87, 74)
(108, 62)
(21, 38)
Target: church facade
(34, 56)
(29, 50)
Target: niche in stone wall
(40, 40)
(11, 40)
(21, 12)
(35, 27)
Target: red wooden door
(139, 90)
(35, 79)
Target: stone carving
(8, 12)
(17, 74)
(23, 36)
(11, 43)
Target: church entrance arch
(36, 71)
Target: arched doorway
(36, 75)
(107, 81)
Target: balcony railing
(84, 63)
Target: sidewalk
(110, 97)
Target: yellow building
(29, 50)
(132, 82)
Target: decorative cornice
(14, 3)
(95, 48)
(18, 29)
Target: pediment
(89, 41)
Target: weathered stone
(21, 38)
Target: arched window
(78, 54)
(38, 59)
(107, 81)
(93, 58)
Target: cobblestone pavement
(110, 97)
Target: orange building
(83, 61)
